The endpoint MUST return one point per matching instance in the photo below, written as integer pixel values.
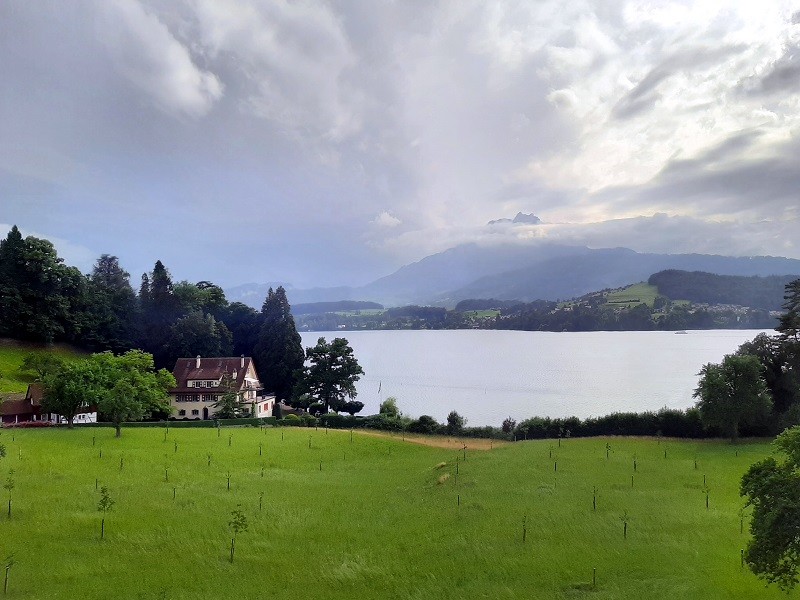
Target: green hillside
(12, 354)
(638, 293)
(332, 516)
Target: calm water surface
(489, 375)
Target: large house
(201, 383)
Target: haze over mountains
(519, 272)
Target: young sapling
(9, 487)
(104, 505)
(238, 524)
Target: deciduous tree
(772, 488)
(331, 374)
(732, 393)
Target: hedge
(197, 423)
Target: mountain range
(519, 272)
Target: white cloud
(386, 220)
(152, 59)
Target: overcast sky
(329, 143)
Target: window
(181, 413)
(195, 412)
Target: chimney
(197, 362)
(241, 364)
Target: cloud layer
(328, 143)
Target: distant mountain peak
(520, 219)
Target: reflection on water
(489, 375)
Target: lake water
(489, 375)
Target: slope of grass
(372, 517)
(11, 355)
(639, 293)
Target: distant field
(371, 518)
(639, 293)
(366, 312)
(11, 355)
(481, 314)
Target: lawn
(371, 517)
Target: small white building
(201, 383)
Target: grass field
(374, 517)
(639, 293)
(11, 355)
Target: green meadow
(353, 515)
(639, 293)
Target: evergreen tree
(278, 354)
(160, 309)
(789, 326)
(112, 307)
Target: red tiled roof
(186, 369)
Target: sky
(328, 143)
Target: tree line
(44, 300)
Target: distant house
(19, 408)
(14, 408)
(201, 383)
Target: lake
(489, 375)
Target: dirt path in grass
(438, 441)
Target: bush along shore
(665, 422)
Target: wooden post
(260, 449)
(555, 467)
(594, 499)
(95, 483)
(233, 545)
(174, 492)
(625, 530)
(594, 577)
(741, 558)
(166, 475)
(103, 528)
(524, 528)
(229, 480)
(459, 500)
(631, 480)
(5, 582)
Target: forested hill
(764, 293)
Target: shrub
(290, 420)
(425, 424)
(308, 421)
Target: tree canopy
(772, 489)
(732, 393)
(330, 375)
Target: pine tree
(789, 326)
(278, 354)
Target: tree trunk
(70, 422)
(118, 427)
